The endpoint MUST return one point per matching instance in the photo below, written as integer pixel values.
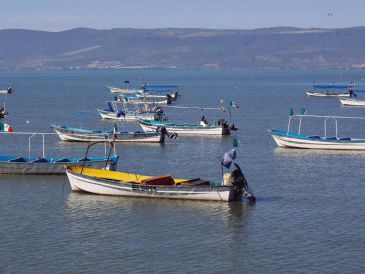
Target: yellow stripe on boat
(114, 175)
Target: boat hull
(79, 135)
(352, 102)
(56, 168)
(323, 94)
(183, 130)
(80, 182)
(128, 116)
(291, 140)
(123, 90)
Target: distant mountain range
(282, 47)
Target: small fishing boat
(299, 140)
(51, 165)
(352, 102)
(148, 101)
(327, 94)
(7, 90)
(331, 90)
(220, 128)
(113, 112)
(67, 133)
(158, 91)
(10, 164)
(90, 180)
(123, 90)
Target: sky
(59, 15)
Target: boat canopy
(333, 86)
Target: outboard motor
(120, 113)
(10, 90)
(225, 126)
(233, 127)
(169, 99)
(163, 130)
(240, 184)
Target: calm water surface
(309, 215)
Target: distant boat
(123, 90)
(331, 90)
(327, 94)
(113, 112)
(148, 101)
(66, 133)
(222, 128)
(7, 90)
(352, 102)
(299, 140)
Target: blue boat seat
(40, 160)
(84, 160)
(344, 139)
(331, 138)
(18, 160)
(63, 160)
(314, 137)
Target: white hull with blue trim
(294, 140)
(84, 135)
(129, 116)
(183, 129)
(352, 102)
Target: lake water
(308, 218)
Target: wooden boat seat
(159, 180)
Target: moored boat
(327, 94)
(123, 90)
(113, 112)
(29, 164)
(299, 140)
(220, 128)
(233, 187)
(352, 102)
(331, 90)
(66, 133)
(51, 165)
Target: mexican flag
(5, 127)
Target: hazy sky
(56, 15)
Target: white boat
(352, 102)
(299, 140)
(7, 90)
(221, 128)
(233, 187)
(30, 164)
(327, 94)
(123, 90)
(66, 133)
(331, 90)
(150, 101)
(113, 112)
